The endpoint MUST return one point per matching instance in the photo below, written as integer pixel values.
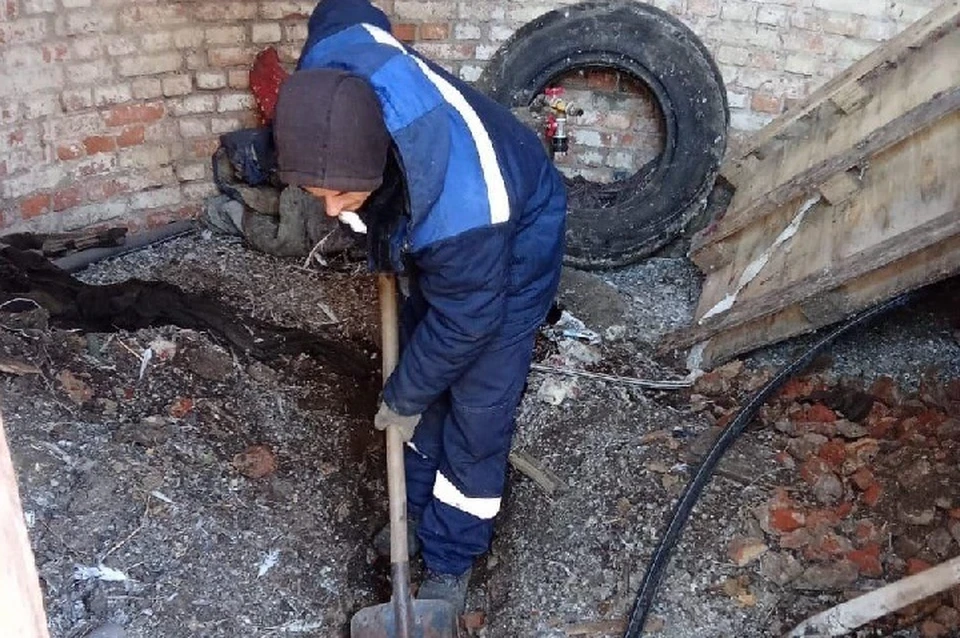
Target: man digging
(461, 198)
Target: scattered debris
(78, 391)
(269, 561)
(743, 551)
(17, 367)
(101, 572)
(256, 462)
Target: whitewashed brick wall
(110, 109)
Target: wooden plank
(21, 604)
(943, 18)
(840, 187)
(909, 200)
(897, 200)
(850, 98)
(927, 266)
(924, 88)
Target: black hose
(78, 261)
(681, 512)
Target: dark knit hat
(330, 132)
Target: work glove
(387, 417)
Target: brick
(101, 190)
(75, 4)
(32, 7)
(192, 171)
(434, 31)
(209, 80)
(23, 31)
(866, 532)
(863, 479)
(118, 45)
(158, 198)
(295, 32)
(743, 551)
(786, 519)
(916, 565)
(603, 79)
(235, 102)
(109, 95)
(187, 37)
(466, 32)
(146, 88)
(737, 56)
(586, 137)
(88, 21)
(737, 99)
(205, 147)
(470, 72)
(34, 206)
(135, 114)
(88, 73)
(99, 144)
(76, 99)
(86, 47)
(158, 41)
(867, 560)
(71, 127)
(424, 10)
(445, 51)
(131, 136)
(286, 10)
(766, 103)
(193, 127)
(264, 32)
(145, 156)
(231, 56)
(194, 104)
(67, 198)
(872, 496)
(773, 15)
(55, 52)
(501, 33)
(226, 11)
(840, 23)
(199, 190)
(826, 545)
(101, 164)
(857, 7)
(150, 64)
(833, 452)
(227, 35)
(69, 152)
(405, 32)
(177, 85)
(704, 7)
(238, 79)
(196, 60)
(738, 11)
(802, 64)
(220, 125)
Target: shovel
(402, 617)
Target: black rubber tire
(617, 224)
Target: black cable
(681, 513)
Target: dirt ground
(147, 523)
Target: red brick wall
(110, 109)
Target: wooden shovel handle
(396, 479)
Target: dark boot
(381, 542)
(453, 589)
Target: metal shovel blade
(431, 619)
